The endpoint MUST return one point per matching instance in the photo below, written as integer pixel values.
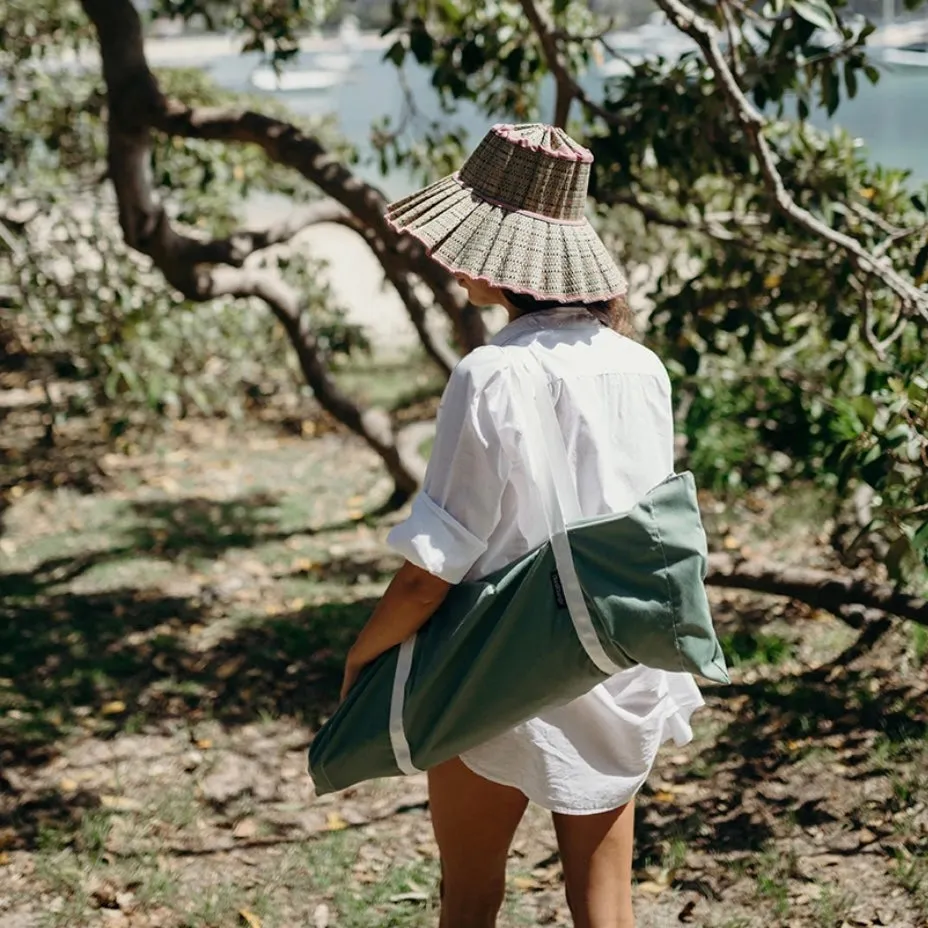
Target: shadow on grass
(122, 662)
(188, 530)
(774, 727)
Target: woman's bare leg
(596, 854)
(474, 822)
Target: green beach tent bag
(599, 596)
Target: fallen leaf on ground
(68, 785)
(115, 707)
(526, 883)
(230, 667)
(649, 886)
(4, 858)
(120, 803)
(246, 828)
(334, 822)
(249, 918)
(409, 897)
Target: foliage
(788, 360)
(97, 309)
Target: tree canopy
(789, 291)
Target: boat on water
(315, 72)
(293, 80)
(655, 38)
(901, 45)
(914, 55)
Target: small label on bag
(559, 597)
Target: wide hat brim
(512, 249)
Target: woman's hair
(613, 313)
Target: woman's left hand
(408, 602)
(351, 675)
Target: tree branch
(816, 588)
(753, 125)
(137, 105)
(567, 87)
(285, 144)
(435, 347)
(189, 264)
(371, 424)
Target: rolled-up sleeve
(459, 505)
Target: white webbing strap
(400, 745)
(560, 502)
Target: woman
(510, 225)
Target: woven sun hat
(514, 216)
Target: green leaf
(831, 91)
(921, 263)
(396, 53)
(816, 12)
(850, 79)
(422, 45)
(899, 552)
(919, 203)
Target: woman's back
(480, 509)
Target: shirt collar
(558, 318)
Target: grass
(674, 856)
(748, 648)
(919, 644)
(911, 872)
(224, 903)
(833, 907)
(177, 806)
(773, 872)
(381, 892)
(392, 384)
(220, 608)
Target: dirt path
(169, 641)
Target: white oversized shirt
(479, 510)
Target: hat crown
(533, 168)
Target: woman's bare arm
(407, 604)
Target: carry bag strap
(559, 498)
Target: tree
(791, 298)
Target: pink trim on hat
(511, 134)
(539, 295)
(502, 204)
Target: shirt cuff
(434, 540)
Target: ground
(173, 619)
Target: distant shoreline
(177, 51)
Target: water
(889, 117)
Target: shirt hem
(685, 709)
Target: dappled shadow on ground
(772, 727)
(188, 529)
(130, 660)
(131, 656)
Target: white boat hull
(331, 61)
(905, 57)
(268, 80)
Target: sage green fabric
(503, 649)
